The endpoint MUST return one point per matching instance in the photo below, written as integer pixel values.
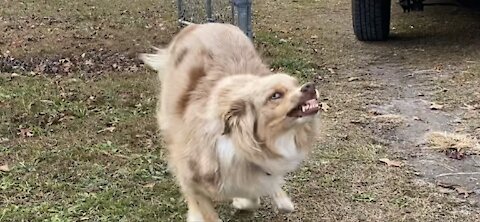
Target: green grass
(286, 55)
(68, 171)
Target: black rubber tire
(475, 4)
(371, 19)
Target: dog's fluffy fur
(233, 129)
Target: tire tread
(371, 19)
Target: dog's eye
(276, 95)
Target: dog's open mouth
(305, 108)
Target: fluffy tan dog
(233, 128)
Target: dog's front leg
(200, 209)
(282, 201)
(246, 203)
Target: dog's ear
(236, 111)
(240, 124)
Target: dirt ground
(78, 140)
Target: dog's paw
(194, 217)
(284, 204)
(246, 204)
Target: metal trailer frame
(241, 14)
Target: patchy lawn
(78, 140)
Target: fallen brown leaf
(72, 80)
(470, 107)
(4, 168)
(48, 102)
(389, 162)
(25, 133)
(149, 185)
(357, 121)
(109, 129)
(89, 62)
(438, 67)
(465, 192)
(459, 129)
(375, 112)
(351, 79)
(435, 106)
(331, 70)
(324, 106)
(458, 189)
(390, 118)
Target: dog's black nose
(308, 88)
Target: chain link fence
(237, 12)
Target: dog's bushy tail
(157, 61)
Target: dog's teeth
(306, 107)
